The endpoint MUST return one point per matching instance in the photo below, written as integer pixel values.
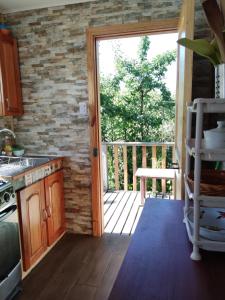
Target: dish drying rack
(195, 148)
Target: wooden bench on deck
(144, 173)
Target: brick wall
(53, 54)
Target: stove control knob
(6, 197)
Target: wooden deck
(122, 210)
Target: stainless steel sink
(11, 166)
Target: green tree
(136, 105)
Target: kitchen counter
(23, 171)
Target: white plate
(212, 223)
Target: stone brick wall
(53, 55)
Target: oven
(10, 258)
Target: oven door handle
(7, 212)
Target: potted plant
(213, 50)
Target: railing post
(116, 167)
(154, 165)
(144, 165)
(134, 160)
(163, 167)
(144, 160)
(125, 173)
(104, 168)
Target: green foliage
(136, 105)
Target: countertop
(12, 167)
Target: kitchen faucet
(8, 130)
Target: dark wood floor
(157, 265)
(77, 268)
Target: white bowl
(215, 138)
(18, 152)
(212, 223)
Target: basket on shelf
(212, 182)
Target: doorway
(93, 35)
(137, 77)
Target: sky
(159, 44)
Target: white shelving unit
(195, 147)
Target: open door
(184, 89)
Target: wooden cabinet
(54, 206)
(10, 89)
(33, 219)
(42, 221)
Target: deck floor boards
(112, 208)
(107, 196)
(111, 204)
(122, 210)
(125, 214)
(137, 217)
(132, 215)
(116, 215)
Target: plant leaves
(203, 48)
(216, 49)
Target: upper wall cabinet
(10, 89)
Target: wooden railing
(142, 154)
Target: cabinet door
(11, 99)
(55, 205)
(33, 218)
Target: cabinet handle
(49, 212)
(45, 215)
